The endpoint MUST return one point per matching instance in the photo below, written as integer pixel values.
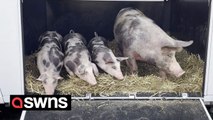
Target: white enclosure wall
(11, 55)
(208, 95)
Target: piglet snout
(120, 77)
(49, 91)
(93, 83)
(179, 74)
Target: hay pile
(148, 79)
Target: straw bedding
(147, 79)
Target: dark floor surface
(8, 114)
(116, 110)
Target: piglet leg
(131, 62)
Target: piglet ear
(95, 69)
(108, 60)
(58, 77)
(42, 77)
(81, 69)
(121, 58)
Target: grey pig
(139, 38)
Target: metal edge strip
(204, 107)
(136, 98)
(20, 35)
(1, 97)
(23, 114)
(209, 58)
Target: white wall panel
(11, 60)
(208, 93)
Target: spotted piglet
(50, 60)
(104, 57)
(77, 58)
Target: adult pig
(139, 38)
(77, 58)
(50, 60)
(104, 57)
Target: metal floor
(126, 110)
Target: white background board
(11, 55)
(208, 93)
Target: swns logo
(42, 102)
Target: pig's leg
(131, 62)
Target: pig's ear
(108, 60)
(175, 44)
(121, 58)
(58, 77)
(95, 69)
(81, 69)
(179, 43)
(42, 77)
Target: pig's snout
(49, 91)
(90, 79)
(180, 74)
(176, 70)
(49, 88)
(119, 77)
(92, 82)
(115, 73)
